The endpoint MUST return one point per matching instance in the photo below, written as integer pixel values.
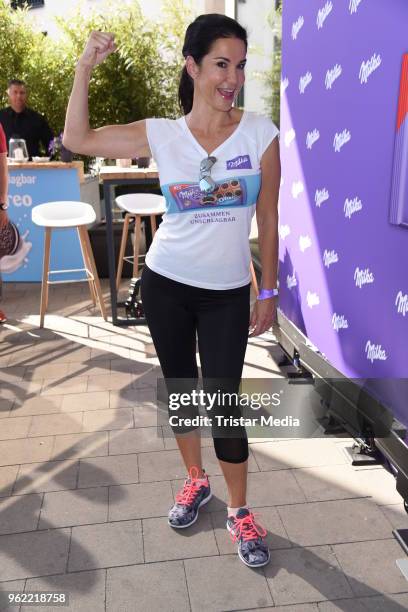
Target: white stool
(136, 206)
(58, 215)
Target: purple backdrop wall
(343, 266)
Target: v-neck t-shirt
(203, 239)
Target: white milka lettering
(284, 231)
(375, 352)
(323, 13)
(368, 67)
(297, 26)
(330, 257)
(353, 6)
(339, 322)
(290, 136)
(311, 138)
(352, 206)
(291, 280)
(363, 277)
(332, 75)
(401, 302)
(284, 85)
(304, 243)
(321, 195)
(312, 299)
(297, 189)
(340, 140)
(304, 81)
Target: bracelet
(265, 294)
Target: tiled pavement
(86, 482)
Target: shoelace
(247, 528)
(190, 488)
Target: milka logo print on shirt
(242, 161)
(323, 13)
(291, 280)
(231, 192)
(368, 67)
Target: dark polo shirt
(29, 125)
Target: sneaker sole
(203, 501)
(255, 565)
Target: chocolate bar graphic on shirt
(231, 192)
(399, 190)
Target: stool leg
(122, 249)
(153, 224)
(97, 285)
(138, 229)
(87, 266)
(253, 278)
(46, 268)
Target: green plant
(139, 80)
(272, 78)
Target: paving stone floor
(87, 477)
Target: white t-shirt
(203, 238)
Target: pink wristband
(265, 294)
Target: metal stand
(363, 452)
(107, 184)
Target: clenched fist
(98, 47)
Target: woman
(216, 165)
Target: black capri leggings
(176, 313)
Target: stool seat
(68, 214)
(142, 203)
(63, 214)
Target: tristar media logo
(375, 352)
(340, 139)
(401, 302)
(242, 162)
(323, 13)
(368, 67)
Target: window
(30, 3)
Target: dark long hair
(200, 35)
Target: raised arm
(112, 141)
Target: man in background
(3, 196)
(19, 121)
